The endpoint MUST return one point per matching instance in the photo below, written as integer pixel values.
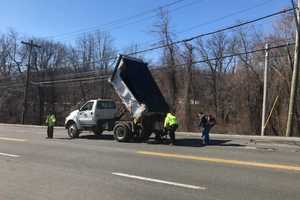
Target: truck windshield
(106, 105)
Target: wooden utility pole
(41, 104)
(187, 86)
(263, 117)
(31, 46)
(295, 76)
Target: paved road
(33, 167)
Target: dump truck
(138, 91)
(95, 115)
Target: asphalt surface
(91, 167)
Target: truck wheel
(121, 133)
(145, 135)
(73, 131)
(98, 132)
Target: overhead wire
(11, 85)
(117, 21)
(69, 80)
(214, 32)
(239, 54)
(155, 42)
(72, 84)
(135, 21)
(199, 36)
(106, 77)
(224, 17)
(192, 38)
(43, 83)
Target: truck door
(85, 115)
(105, 110)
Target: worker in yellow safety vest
(50, 122)
(170, 126)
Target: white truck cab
(95, 115)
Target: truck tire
(145, 136)
(122, 133)
(73, 131)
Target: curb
(250, 137)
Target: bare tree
(217, 47)
(188, 57)
(169, 57)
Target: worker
(50, 122)
(170, 126)
(206, 122)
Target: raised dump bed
(138, 91)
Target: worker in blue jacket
(206, 122)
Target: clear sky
(60, 18)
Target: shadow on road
(97, 137)
(89, 137)
(184, 142)
(198, 143)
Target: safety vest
(50, 121)
(170, 120)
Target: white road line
(160, 181)
(13, 139)
(9, 155)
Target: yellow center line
(224, 161)
(13, 139)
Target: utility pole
(263, 117)
(31, 46)
(295, 76)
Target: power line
(225, 16)
(244, 53)
(69, 80)
(105, 77)
(155, 42)
(85, 73)
(213, 32)
(234, 55)
(194, 37)
(119, 20)
(135, 21)
(76, 83)
(197, 36)
(42, 83)
(65, 75)
(12, 85)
